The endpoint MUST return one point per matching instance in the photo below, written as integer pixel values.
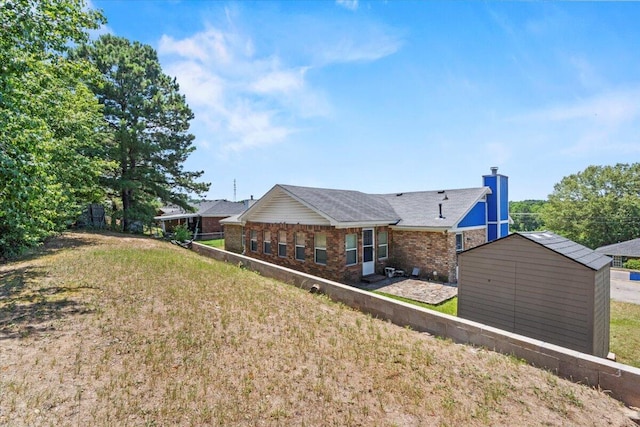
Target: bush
(181, 233)
(632, 264)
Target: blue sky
(385, 97)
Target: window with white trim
(282, 243)
(300, 242)
(266, 243)
(351, 248)
(459, 242)
(253, 240)
(320, 248)
(618, 261)
(383, 244)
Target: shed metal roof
(630, 248)
(568, 248)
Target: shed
(540, 285)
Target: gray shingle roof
(568, 248)
(345, 205)
(413, 209)
(421, 209)
(223, 208)
(630, 248)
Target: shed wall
(517, 285)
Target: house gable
(476, 217)
(278, 206)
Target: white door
(368, 260)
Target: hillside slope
(103, 329)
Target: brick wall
(431, 251)
(233, 238)
(336, 267)
(210, 225)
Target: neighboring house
(344, 235)
(205, 220)
(621, 252)
(540, 285)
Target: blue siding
(504, 200)
(476, 216)
(504, 229)
(492, 232)
(491, 182)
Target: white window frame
(384, 245)
(300, 236)
(354, 249)
(618, 261)
(266, 242)
(282, 244)
(319, 249)
(253, 240)
(460, 247)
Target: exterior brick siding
(233, 238)
(336, 267)
(429, 251)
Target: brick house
(205, 220)
(344, 235)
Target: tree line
(98, 121)
(83, 122)
(595, 207)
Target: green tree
(598, 206)
(49, 120)
(148, 121)
(526, 215)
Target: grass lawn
(624, 326)
(106, 329)
(447, 307)
(624, 336)
(215, 243)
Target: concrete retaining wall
(622, 381)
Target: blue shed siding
(475, 217)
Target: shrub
(632, 264)
(181, 233)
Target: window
(351, 247)
(320, 248)
(617, 261)
(383, 245)
(282, 243)
(459, 242)
(254, 241)
(266, 244)
(300, 237)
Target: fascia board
(431, 229)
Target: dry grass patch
(145, 333)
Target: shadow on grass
(27, 307)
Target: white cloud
(348, 4)
(593, 126)
(248, 96)
(609, 108)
